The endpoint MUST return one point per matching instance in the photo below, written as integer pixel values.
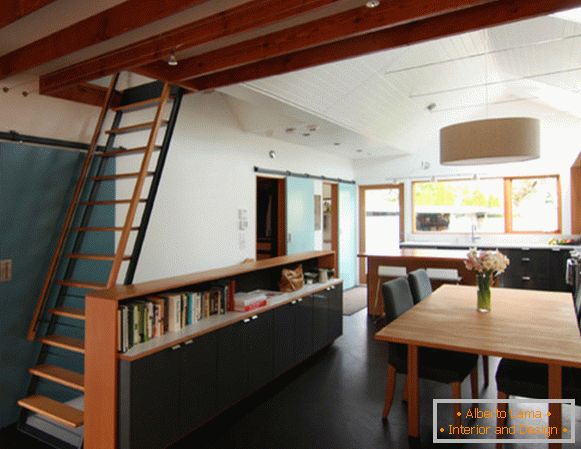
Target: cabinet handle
(254, 317)
(526, 278)
(175, 348)
(247, 320)
(293, 302)
(189, 342)
(525, 259)
(328, 289)
(300, 300)
(319, 297)
(525, 249)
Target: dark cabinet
(285, 320)
(536, 269)
(320, 320)
(198, 381)
(335, 312)
(149, 412)
(258, 350)
(304, 328)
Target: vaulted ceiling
(295, 58)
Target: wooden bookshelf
(102, 359)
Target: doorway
(381, 221)
(331, 219)
(270, 217)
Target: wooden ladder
(58, 319)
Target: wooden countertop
(122, 292)
(421, 254)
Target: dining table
(528, 325)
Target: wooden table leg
(413, 393)
(555, 392)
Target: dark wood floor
(332, 401)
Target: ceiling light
(372, 4)
(272, 154)
(306, 134)
(290, 130)
(490, 141)
(359, 150)
(431, 107)
(337, 144)
(172, 61)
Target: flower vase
(484, 303)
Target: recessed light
(372, 4)
(431, 107)
(359, 150)
(337, 144)
(172, 61)
(306, 134)
(290, 130)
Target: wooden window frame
(508, 219)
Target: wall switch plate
(5, 270)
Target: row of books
(141, 320)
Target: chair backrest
(397, 298)
(420, 284)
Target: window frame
(508, 219)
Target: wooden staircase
(51, 409)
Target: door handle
(254, 317)
(526, 278)
(189, 342)
(175, 347)
(525, 259)
(247, 320)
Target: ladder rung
(102, 229)
(134, 128)
(69, 312)
(119, 176)
(109, 202)
(95, 256)
(59, 375)
(63, 342)
(54, 410)
(137, 105)
(128, 151)
(80, 284)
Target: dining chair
(421, 287)
(434, 364)
(530, 380)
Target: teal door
(347, 235)
(300, 215)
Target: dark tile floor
(332, 401)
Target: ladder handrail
(69, 217)
(130, 217)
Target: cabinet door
(259, 350)
(149, 394)
(335, 312)
(558, 266)
(284, 337)
(231, 377)
(304, 328)
(320, 320)
(198, 381)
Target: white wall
(560, 145)
(209, 175)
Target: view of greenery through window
(478, 205)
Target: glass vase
(484, 303)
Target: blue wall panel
(300, 214)
(347, 234)
(35, 187)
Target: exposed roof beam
(328, 29)
(250, 15)
(478, 17)
(12, 10)
(87, 93)
(100, 27)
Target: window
(463, 206)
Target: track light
(172, 61)
(372, 4)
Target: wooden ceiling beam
(247, 16)
(100, 27)
(13, 10)
(328, 29)
(87, 93)
(475, 18)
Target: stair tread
(69, 312)
(80, 284)
(137, 105)
(57, 411)
(102, 228)
(88, 256)
(134, 128)
(128, 151)
(110, 202)
(64, 342)
(60, 375)
(119, 176)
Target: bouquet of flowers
(488, 265)
(492, 263)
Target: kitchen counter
(466, 245)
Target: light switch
(5, 270)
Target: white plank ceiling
(377, 105)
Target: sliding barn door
(300, 215)
(347, 235)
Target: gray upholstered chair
(434, 364)
(420, 284)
